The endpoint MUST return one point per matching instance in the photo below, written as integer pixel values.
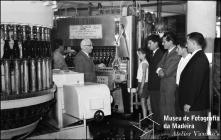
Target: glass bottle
(2, 41)
(16, 50)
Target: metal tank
(126, 50)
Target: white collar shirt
(155, 51)
(86, 53)
(194, 52)
(181, 65)
(170, 50)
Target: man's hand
(101, 65)
(161, 73)
(186, 108)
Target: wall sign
(85, 31)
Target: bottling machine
(121, 57)
(27, 91)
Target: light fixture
(54, 7)
(49, 3)
(53, 4)
(90, 4)
(99, 5)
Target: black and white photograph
(111, 70)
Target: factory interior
(42, 101)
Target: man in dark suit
(154, 81)
(166, 70)
(84, 63)
(194, 84)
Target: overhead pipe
(159, 10)
(121, 5)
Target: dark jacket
(153, 78)
(194, 83)
(168, 63)
(84, 64)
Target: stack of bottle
(25, 59)
(103, 55)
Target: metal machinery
(59, 125)
(105, 55)
(26, 79)
(76, 102)
(88, 101)
(26, 87)
(60, 79)
(116, 47)
(120, 59)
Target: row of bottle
(23, 41)
(24, 32)
(103, 55)
(25, 75)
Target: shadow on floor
(120, 126)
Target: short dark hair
(141, 50)
(154, 38)
(57, 43)
(198, 38)
(182, 42)
(170, 36)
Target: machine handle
(99, 115)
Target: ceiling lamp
(99, 6)
(90, 4)
(53, 4)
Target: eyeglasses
(89, 45)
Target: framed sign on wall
(93, 31)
